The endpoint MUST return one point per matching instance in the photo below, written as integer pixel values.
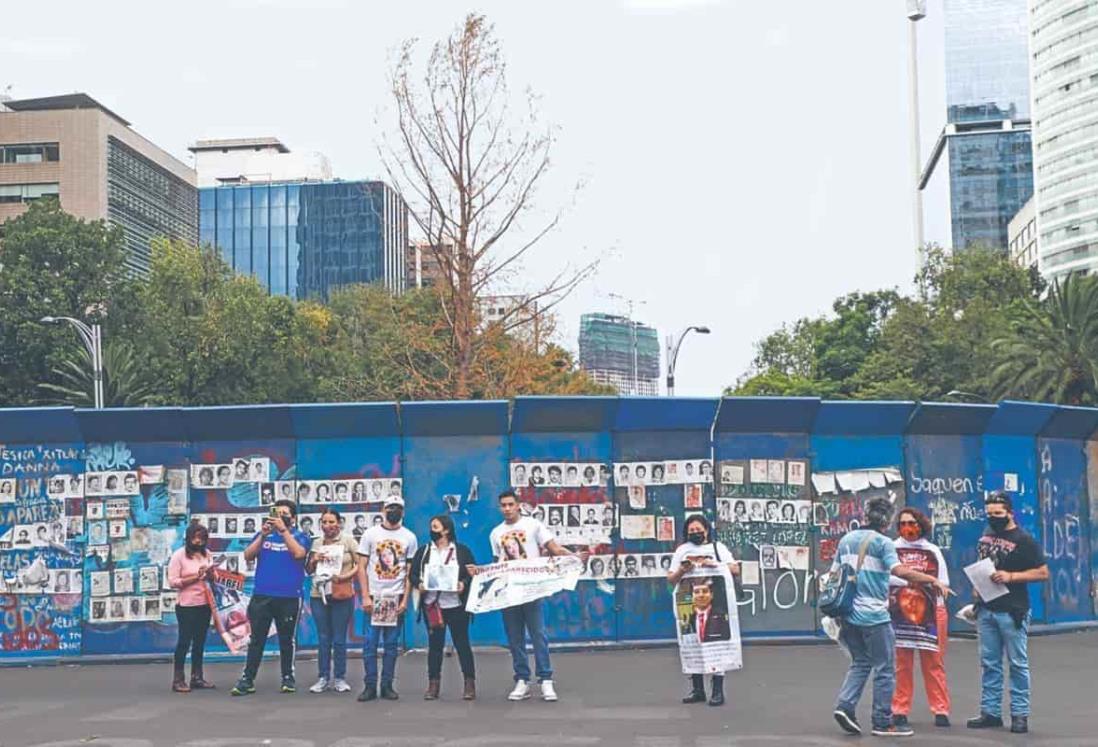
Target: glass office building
(305, 239)
(990, 154)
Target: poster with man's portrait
(707, 622)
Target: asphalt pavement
(783, 696)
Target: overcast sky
(745, 162)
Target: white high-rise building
(255, 159)
(1064, 66)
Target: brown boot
(432, 690)
(470, 689)
(179, 682)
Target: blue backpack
(838, 588)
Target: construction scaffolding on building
(621, 352)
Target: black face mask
(394, 515)
(435, 536)
(696, 538)
(198, 547)
(998, 524)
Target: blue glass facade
(987, 84)
(303, 240)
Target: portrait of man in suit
(706, 620)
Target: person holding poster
(333, 563)
(279, 551)
(920, 620)
(385, 549)
(705, 609)
(187, 572)
(441, 577)
(518, 539)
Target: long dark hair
(447, 524)
(194, 530)
(919, 517)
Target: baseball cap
(394, 500)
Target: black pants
(261, 611)
(457, 620)
(193, 624)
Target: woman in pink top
(187, 571)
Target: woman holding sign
(705, 609)
(920, 620)
(333, 565)
(440, 576)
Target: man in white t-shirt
(386, 549)
(522, 538)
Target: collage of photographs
(770, 511)
(120, 595)
(632, 565)
(674, 472)
(332, 491)
(39, 534)
(108, 483)
(53, 581)
(222, 476)
(559, 474)
(765, 471)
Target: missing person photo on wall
(259, 469)
(117, 529)
(556, 516)
(692, 495)
(123, 581)
(789, 513)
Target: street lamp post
(915, 11)
(673, 355)
(92, 337)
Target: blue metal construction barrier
(82, 570)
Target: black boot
(697, 692)
(717, 698)
(1019, 724)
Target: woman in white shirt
(701, 551)
(910, 618)
(435, 566)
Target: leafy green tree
(52, 264)
(1051, 350)
(124, 382)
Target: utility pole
(916, 11)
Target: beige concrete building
(78, 150)
(1022, 235)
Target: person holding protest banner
(187, 571)
(385, 549)
(279, 551)
(440, 576)
(333, 563)
(920, 620)
(705, 607)
(520, 540)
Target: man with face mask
(279, 551)
(1003, 623)
(386, 549)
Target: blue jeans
(998, 633)
(872, 648)
(518, 620)
(387, 635)
(331, 621)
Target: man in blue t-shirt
(279, 577)
(867, 632)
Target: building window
(30, 153)
(27, 192)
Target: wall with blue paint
(454, 457)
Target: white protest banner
(707, 621)
(514, 582)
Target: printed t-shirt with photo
(689, 550)
(925, 557)
(387, 552)
(345, 547)
(527, 536)
(1012, 551)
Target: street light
(92, 337)
(673, 355)
(915, 12)
(970, 395)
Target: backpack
(838, 588)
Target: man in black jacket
(439, 572)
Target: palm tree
(124, 384)
(1051, 351)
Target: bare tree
(469, 170)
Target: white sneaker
(341, 686)
(320, 686)
(548, 692)
(521, 691)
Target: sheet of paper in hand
(329, 559)
(385, 611)
(441, 577)
(225, 592)
(707, 621)
(501, 585)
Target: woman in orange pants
(911, 610)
